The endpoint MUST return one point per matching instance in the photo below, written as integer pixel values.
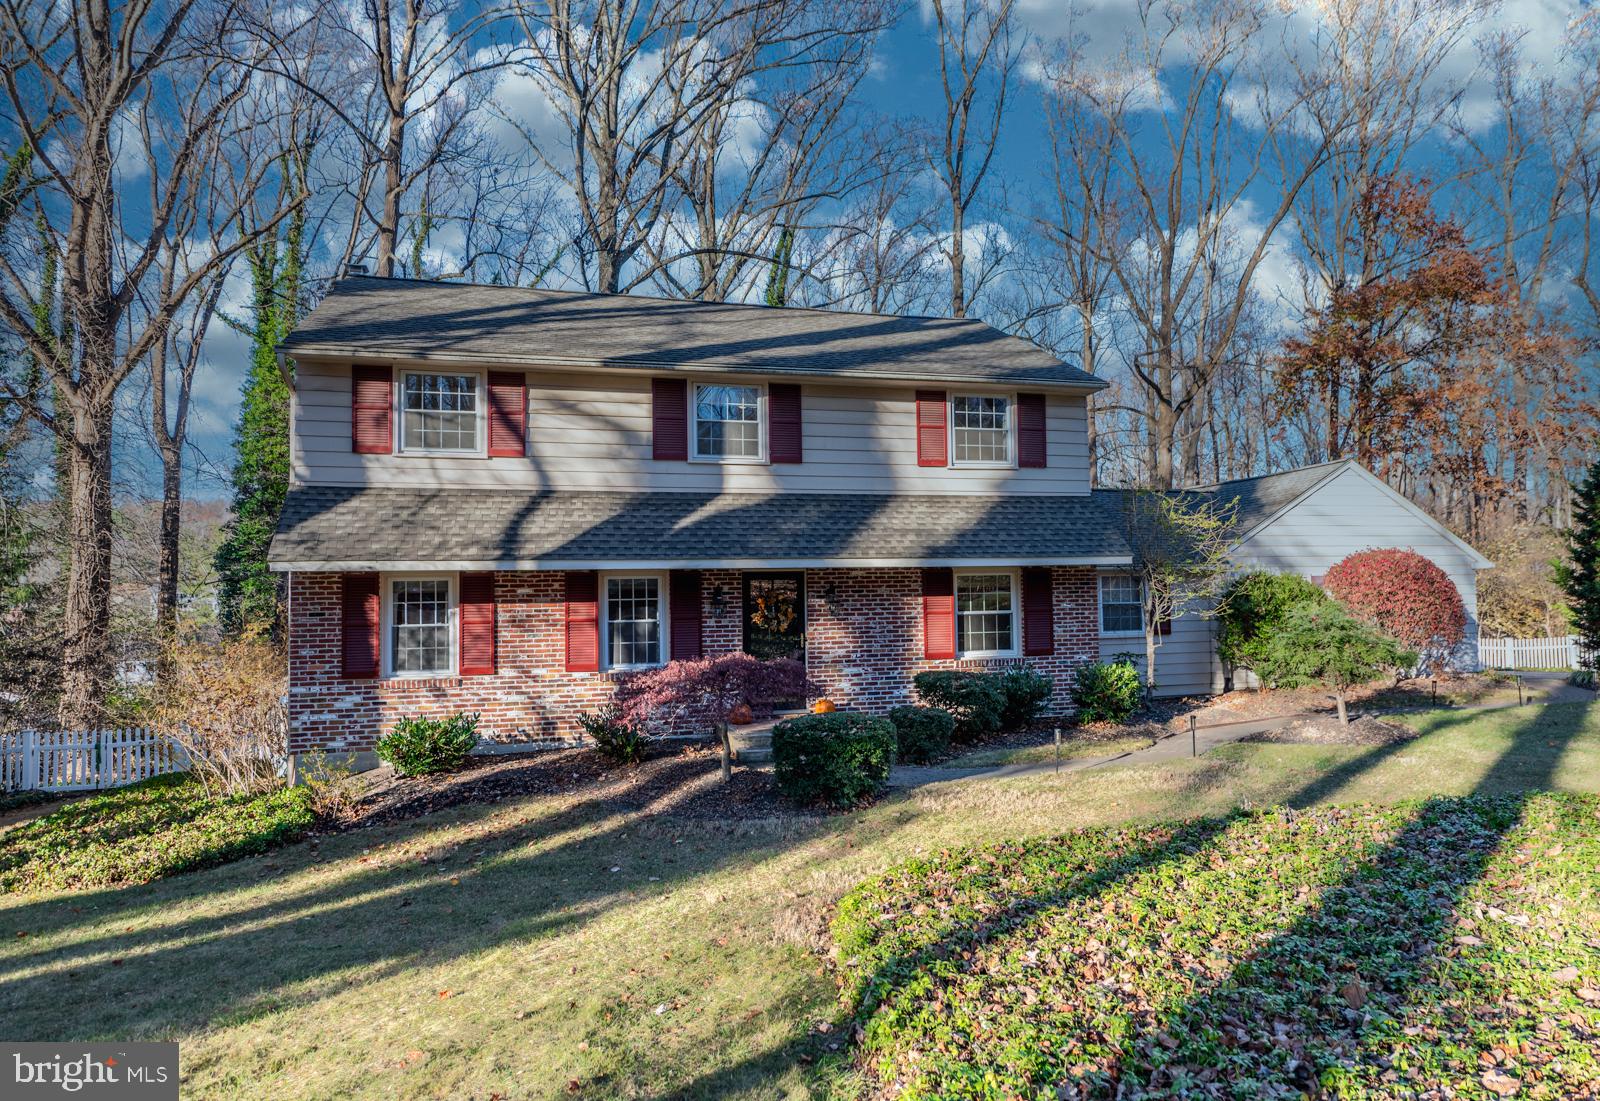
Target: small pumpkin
(741, 714)
(824, 706)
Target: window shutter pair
(933, 429)
(361, 614)
(939, 613)
(669, 421)
(582, 618)
(372, 403)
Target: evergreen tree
(1580, 576)
(778, 277)
(251, 595)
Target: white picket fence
(1528, 653)
(84, 760)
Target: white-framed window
(986, 613)
(633, 620)
(981, 430)
(727, 423)
(419, 625)
(441, 412)
(1121, 604)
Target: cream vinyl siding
(588, 431)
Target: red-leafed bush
(697, 694)
(1405, 595)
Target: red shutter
(933, 437)
(476, 617)
(358, 600)
(683, 610)
(508, 414)
(1030, 430)
(938, 613)
(784, 442)
(583, 621)
(1038, 612)
(371, 399)
(669, 418)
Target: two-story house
(501, 498)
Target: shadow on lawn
(401, 914)
(1381, 925)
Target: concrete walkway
(1170, 748)
(1539, 688)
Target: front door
(775, 615)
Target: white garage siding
(1352, 510)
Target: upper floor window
(420, 619)
(634, 623)
(980, 430)
(727, 423)
(1121, 606)
(440, 412)
(986, 614)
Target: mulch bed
(684, 783)
(1365, 730)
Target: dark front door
(775, 615)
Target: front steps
(752, 742)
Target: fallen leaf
(1500, 1082)
(1565, 975)
(1355, 993)
(444, 993)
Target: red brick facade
(863, 644)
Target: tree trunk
(1149, 654)
(1344, 717)
(389, 227)
(1166, 430)
(958, 258)
(88, 611)
(167, 568)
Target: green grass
(318, 969)
(145, 831)
(1071, 749)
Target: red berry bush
(1405, 595)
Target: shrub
(921, 733)
(144, 831)
(616, 740)
(842, 758)
(1252, 609)
(698, 694)
(329, 785)
(1324, 644)
(1107, 691)
(1582, 678)
(224, 705)
(1404, 595)
(974, 700)
(1025, 693)
(420, 746)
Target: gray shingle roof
(332, 527)
(477, 323)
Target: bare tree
(1182, 230)
(978, 53)
(72, 77)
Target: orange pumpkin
(823, 706)
(741, 714)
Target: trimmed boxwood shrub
(1253, 607)
(841, 758)
(419, 747)
(1025, 693)
(1107, 691)
(922, 733)
(975, 700)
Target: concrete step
(752, 743)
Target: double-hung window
(1121, 606)
(635, 625)
(421, 613)
(980, 430)
(986, 614)
(728, 423)
(441, 413)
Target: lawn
(1072, 749)
(554, 947)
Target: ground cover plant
(1422, 950)
(142, 832)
